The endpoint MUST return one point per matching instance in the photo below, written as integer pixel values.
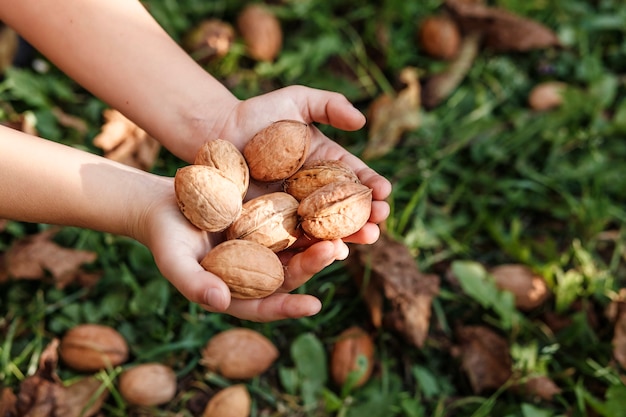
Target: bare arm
(45, 182)
(115, 49)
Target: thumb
(195, 283)
(327, 107)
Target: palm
(181, 246)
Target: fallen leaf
(8, 46)
(501, 30)
(85, 397)
(537, 387)
(211, 38)
(386, 270)
(43, 394)
(616, 311)
(7, 402)
(390, 117)
(125, 142)
(530, 290)
(67, 120)
(439, 87)
(24, 122)
(32, 256)
(485, 357)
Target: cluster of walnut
(238, 354)
(321, 199)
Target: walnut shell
(278, 151)
(92, 347)
(148, 384)
(546, 95)
(352, 352)
(239, 353)
(248, 268)
(261, 32)
(335, 210)
(207, 198)
(233, 401)
(270, 219)
(315, 174)
(440, 37)
(224, 156)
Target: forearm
(115, 49)
(46, 182)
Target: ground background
(483, 180)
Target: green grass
(483, 181)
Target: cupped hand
(178, 247)
(311, 106)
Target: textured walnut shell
(248, 268)
(148, 384)
(239, 353)
(270, 219)
(335, 210)
(233, 401)
(224, 156)
(352, 352)
(261, 32)
(278, 151)
(440, 37)
(546, 96)
(207, 198)
(316, 174)
(92, 347)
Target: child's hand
(178, 247)
(311, 106)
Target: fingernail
(315, 309)
(342, 252)
(216, 299)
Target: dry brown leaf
(616, 311)
(392, 274)
(537, 387)
(211, 38)
(44, 395)
(21, 122)
(125, 142)
(439, 87)
(68, 120)
(501, 30)
(31, 257)
(390, 117)
(8, 46)
(7, 402)
(485, 357)
(530, 290)
(85, 397)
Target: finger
(327, 107)
(366, 236)
(380, 212)
(278, 306)
(195, 283)
(303, 265)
